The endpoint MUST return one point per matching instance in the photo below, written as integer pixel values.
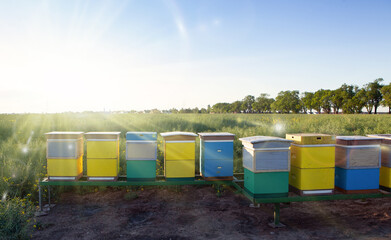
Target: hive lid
(169, 134)
(64, 135)
(259, 139)
(102, 135)
(358, 140)
(141, 133)
(217, 136)
(386, 138)
(311, 138)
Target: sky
(74, 55)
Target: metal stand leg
(49, 196)
(40, 197)
(276, 223)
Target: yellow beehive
(385, 177)
(311, 179)
(179, 155)
(312, 150)
(64, 155)
(102, 155)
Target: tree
(247, 103)
(337, 99)
(286, 102)
(262, 103)
(386, 91)
(326, 100)
(221, 107)
(306, 99)
(317, 100)
(236, 107)
(348, 92)
(374, 95)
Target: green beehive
(266, 184)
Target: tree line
(345, 99)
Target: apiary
(216, 155)
(266, 162)
(358, 160)
(64, 153)
(141, 155)
(102, 156)
(179, 155)
(312, 163)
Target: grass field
(23, 149)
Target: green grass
(23, 149)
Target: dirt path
(197, 213)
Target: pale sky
(58, 56)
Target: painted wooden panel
(217, 150)
(102, 149)
(357, 179)
(179, 168)
(179, 150)
(354, 157)
(106, 167)
(276, 160)
(386, 155)
(65, 167)
(141, 169)
(311, 138)
(266, 183)
(248, 159)
(304, 156)
(265, 142)
(312, 179)
(218, 168)
(64, 148)
(141, 150)
(141, 136)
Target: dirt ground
(195, 212)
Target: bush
(15, 218)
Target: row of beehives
(65, 155)
(271, 164)
(316, 164)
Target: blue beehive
(216, 155)
(357, 179)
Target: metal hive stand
(198, 181)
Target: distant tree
(374, 95)
(155, 111)
(306, 100)
(386, 91)
(348, 92)
(317, 100)
(203, 110)
(247, 103)
(326, 103)
(236, 106)
(359, 100)
(209, 109)
(262, 103)
(337, 99)
(286, 102)
(221, 107)
(174, 110)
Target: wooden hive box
(266, 154)
(102, 156)
(216, 155)
(141, 155)
(355, 152)
(357, 180)
(312, 181)
(385, 148)
(64, 153)
(310, 150)
(266, 184)
(179, 155)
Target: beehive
(141, 154)
(216, 155)
(358, 162)
(312, 150)
(102, 156)
(179, 155)
(312, 163)
(266, 154)
(385, 148)
(355, 152)
(385, 178)
(266, 162)
(64, 153)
